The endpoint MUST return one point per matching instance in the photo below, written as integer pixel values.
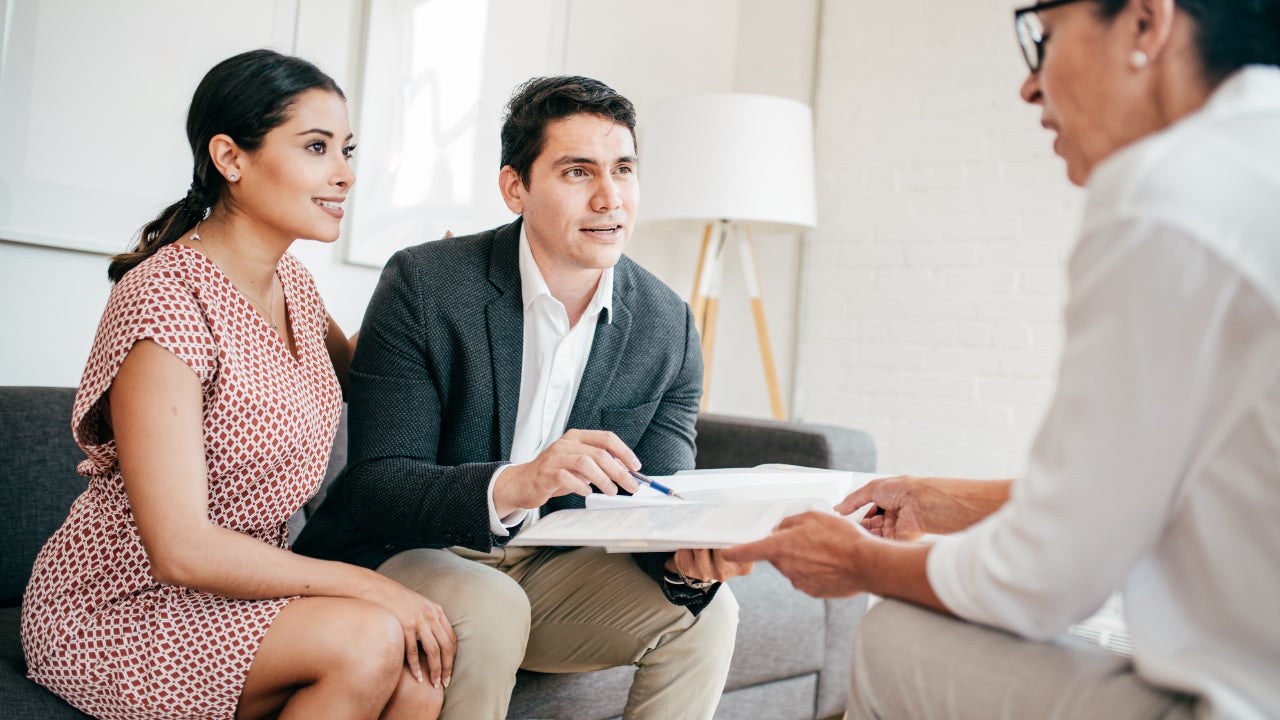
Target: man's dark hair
(542, 100)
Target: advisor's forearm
(898, 570)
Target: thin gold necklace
(271, 310)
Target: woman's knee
(365, 647)
(414, 699)
(352, 646)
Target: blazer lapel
(504, 317)
(607, 350)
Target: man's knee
(711, 634)
(489, 611)
(492, 620)
(718, 622)
(459, 585)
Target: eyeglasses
(1026, 23)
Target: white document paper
(720, 509)
(744, 485)
(666, 527)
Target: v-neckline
(294, 353)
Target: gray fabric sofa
(792, 655)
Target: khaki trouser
(913, 663)
(569, 611)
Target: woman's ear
(227, 156)
(1153, 28)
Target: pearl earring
(233, 176)
(1138, 59)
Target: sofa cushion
(19, 697)
(786, 629)
(727, 441)
(39, 458)
(572, 696)
(784, 699)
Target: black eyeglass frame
(1024, 33)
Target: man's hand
(572, 464)
(905, 507)
(815, 551)
(706, 565)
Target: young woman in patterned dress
(207, 409)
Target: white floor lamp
(731, 162)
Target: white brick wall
(934, 285)
(773, 54)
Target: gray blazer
(435, 384)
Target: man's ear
(512, 189)
(227, 157)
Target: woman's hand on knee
(425, 627)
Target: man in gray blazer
(506, 375)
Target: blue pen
(654, 484)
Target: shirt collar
(534, 286)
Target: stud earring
(1138, 59)
(233, 176)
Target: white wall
(929, 297)
(934, 285)
(50, 299)
(746, 45)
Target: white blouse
(1157, 468)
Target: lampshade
(728, 156)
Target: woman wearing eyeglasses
(1157, 469)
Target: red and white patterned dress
(97, 629)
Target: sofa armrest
(727, 441)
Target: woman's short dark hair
(1229, 33)
(243, 97)
(543, 100)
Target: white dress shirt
(555, 356)
(1157, 468)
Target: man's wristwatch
(675, 577)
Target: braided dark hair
(244, 97)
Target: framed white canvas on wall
(436, 76)
(93, 102)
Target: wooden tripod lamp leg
(751, 274)
(713, 273)
(698, 299)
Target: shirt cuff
(942, 567)
(498, 526)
